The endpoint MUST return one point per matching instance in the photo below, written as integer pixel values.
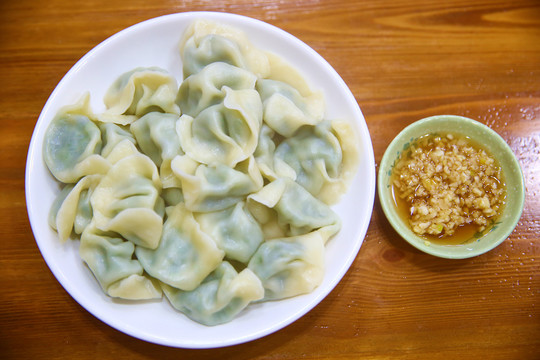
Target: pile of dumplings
(216, 192)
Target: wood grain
(403, 60)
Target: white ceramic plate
(155, 43)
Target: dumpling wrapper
(234, 230)
(225, 133)
(127, 200)
(71, 209)
(206, 42)
(156, 136)
(211, 188)
(185, 256)
(220, 297)
(138, 92)
(72, 144)
(110, 258)
(285, 110)
(284, 208)
(290, 266)
(206, 88)
(323, 159)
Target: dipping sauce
(448, 188)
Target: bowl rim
(390, 155)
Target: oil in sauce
(463, 234)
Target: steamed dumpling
(321, 158)
(285, 109)
(285, 208)
(225, 133)
(110, 258)
(220, 297)
(290, 266)
(207, 42)
(215, 187)
(205, 88)
(208, 50)
(138, 92)
(156, 136)
(234, 230)
(185, 256)
(72, 144)
(71, 209)
(127, 201)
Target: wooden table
(403, 60)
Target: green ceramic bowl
(496, 146)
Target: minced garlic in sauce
(446, 183)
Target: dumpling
(72, 210)
(185, 255)
(220, 297)
(206, 42)
(270, 167)
(205, 88)
(234, 230)
(284, 208)
(139, 92)
(225, 133)
(110, 258)
(210, 49)
(215, 187)
(111, 135)
(322, 158)
(290, 266)
(127, 201)
(285, 109)
(72, 144)
(156, 136)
